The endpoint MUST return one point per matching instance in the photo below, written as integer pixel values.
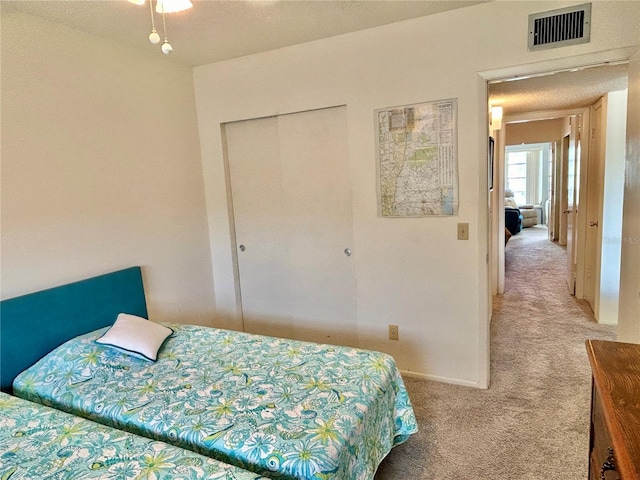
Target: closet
(291, 199)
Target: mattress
(37, 442)
(281, 408)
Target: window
(527, 172)
(517, 176)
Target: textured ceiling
(558, 91)
(217, 30)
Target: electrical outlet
(393, 332)
(463, 231)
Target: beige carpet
(533, 422)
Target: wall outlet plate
(393, 332)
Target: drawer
(600, 443)
(615, 409)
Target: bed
(280, 408)
(40, 442)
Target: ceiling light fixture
(163, 7)
(172, 6)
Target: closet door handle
(609, 464)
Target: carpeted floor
(533, 421)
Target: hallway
(533, 421)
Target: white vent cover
(559, 28)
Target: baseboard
(437, 378)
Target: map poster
(417, 159)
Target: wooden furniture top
(616, 376)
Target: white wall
(539, 131)
(629, 305)
(100, 168)
(411, 272)
(613, 192)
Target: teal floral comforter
(38, 442)
(281, 408)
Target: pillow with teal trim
(135, 336)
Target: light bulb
(154, 37)
(166, 48)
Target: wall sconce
(496, 118)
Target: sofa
(512, 220)
(528, 215)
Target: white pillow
(135, 336)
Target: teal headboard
(32, 325)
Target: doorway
(569, 220)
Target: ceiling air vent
(559, 28)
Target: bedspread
(282, 408)
(37, 442)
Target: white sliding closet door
(256, 187)
(291, 198)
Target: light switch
(463, 231)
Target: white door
(595, 183)
(256, 188)
(552, 213)
(570, 212)
(291, 199)
(564, 192)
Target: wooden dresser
(614, 451)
